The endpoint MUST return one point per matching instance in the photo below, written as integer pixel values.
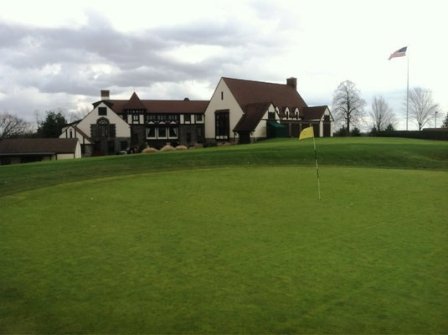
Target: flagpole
(407, 95)
(317, 168)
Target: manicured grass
(228, 250)
(229, 240)
(357, 152)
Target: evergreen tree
(52, 125)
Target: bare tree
(381, 114)
(12, 126)
(348, 106)
(421, 106)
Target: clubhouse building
(239, 111)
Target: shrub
(149, 150)
(167, 147)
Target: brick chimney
(292, 82)
(105, 94)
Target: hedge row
(428, 134)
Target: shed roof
(253, 113)
(313, 113)
(37, 146)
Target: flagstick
(317, 168)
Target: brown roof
(157, 106)
(248, 92)
(134, 103)
(37, 146)
(313, 113)
(251, 117)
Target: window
(222, 95)
(162, 132)
(102, 111)
(151, 132)
(173, 118)
(135, 117)
(271, 115)
(71, 133)
(151, 118)
(222, 125)
(102, 127)
(187, 118)
(199, 118)
(173, 132)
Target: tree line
(12, 126)
(349, 110)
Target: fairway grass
(239, 249)
(349, 152)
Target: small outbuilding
(25, 150)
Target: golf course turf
(229, 240)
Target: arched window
(103, 127)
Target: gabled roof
(35, 146)
(313, 113)
(248, 92)
(253, 113)
(134, 103)
(157, 106)
(87, 137)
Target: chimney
(105, 94)
(292, 82)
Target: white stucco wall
(64, 156)
(261, 131)
(76, 134)
(122, 129)
(216, 103)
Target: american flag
(399, 53)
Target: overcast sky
(60, 54)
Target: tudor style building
(242, 111)
(119, 125)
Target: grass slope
(359, 152)
(242, 248)
(228, 251)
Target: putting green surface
(228, 250)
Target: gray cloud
(63, 60)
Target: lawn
(241, 248)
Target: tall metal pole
(407, 96)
